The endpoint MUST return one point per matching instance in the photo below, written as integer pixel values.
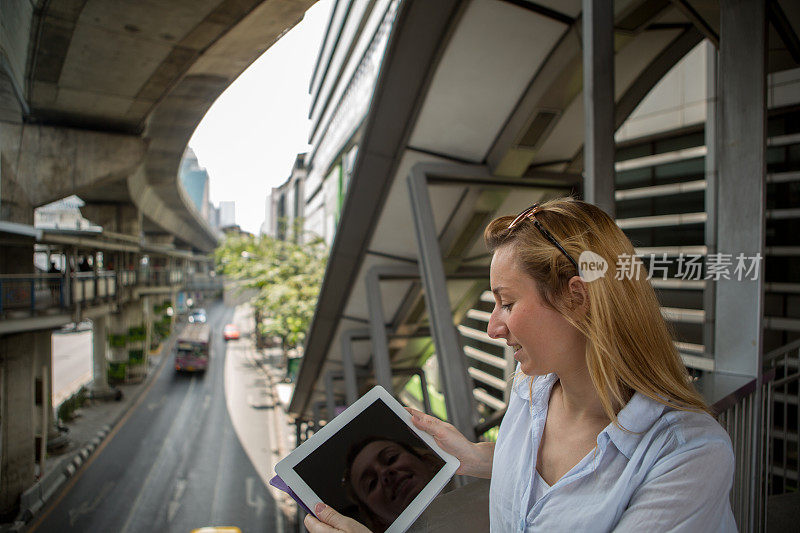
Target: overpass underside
(483, 108)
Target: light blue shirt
(672, 473)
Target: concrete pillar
(119, 218)
(43, 390)
(16, 418)
(99, 385)
(147, 317)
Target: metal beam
(741, 187)
(420, 31)
(598, 103)
(348, 362)
(711, 179)
(381, 364)
(452, 363)
(741, 204)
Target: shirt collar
(636, 418)
(542, 385)
(638, 415)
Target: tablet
(370, 463)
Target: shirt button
(522, 525)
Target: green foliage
(287, 276)
(414, 388)
(116, 371)
(117, 340)
(136, 357)
(137, 333)
(491, 434)
(66, 411)
(162, 328)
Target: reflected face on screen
(386, 477)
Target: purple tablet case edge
(279, 483)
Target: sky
(250, 137)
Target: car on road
(230, 332)
(198, 316)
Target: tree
(287, 276)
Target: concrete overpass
(98, 98)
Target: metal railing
(28, 294)
(782, 420)
(766, 453)
(736, 414)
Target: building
(285, 205)
(476, 109)
(227, 214)
(62, 214)
(344, 78)
(195, 181)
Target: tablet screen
(372, 468)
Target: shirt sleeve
(685, 490)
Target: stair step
(660, 190)
(792, 288)
(487, 358)
(784, 140)
(697, 362)
(488, 379)
(478, 335)
(783, 214)
(781, 323)
(661, 159)
(782, 251)
(659, 221)
(678, 284)
(688, 316)
(476, 314)
(783, 177)
(671, 251)
(486, 398)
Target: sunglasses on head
(530, 214)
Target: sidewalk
(87, 431)
(258, 410)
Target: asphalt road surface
(174, 464)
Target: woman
(603, 429)
(383, 476)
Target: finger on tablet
(329, 517)
(315, 526)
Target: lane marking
(86, 507)
(253, 499)
(152, 406)
(63, 491)
(166, 445)
(173, 508)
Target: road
(174, 463)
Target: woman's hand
(332, 522)
(476, 458)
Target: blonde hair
(628, 344)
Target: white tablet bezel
(285, 468)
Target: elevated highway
(98, 98)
